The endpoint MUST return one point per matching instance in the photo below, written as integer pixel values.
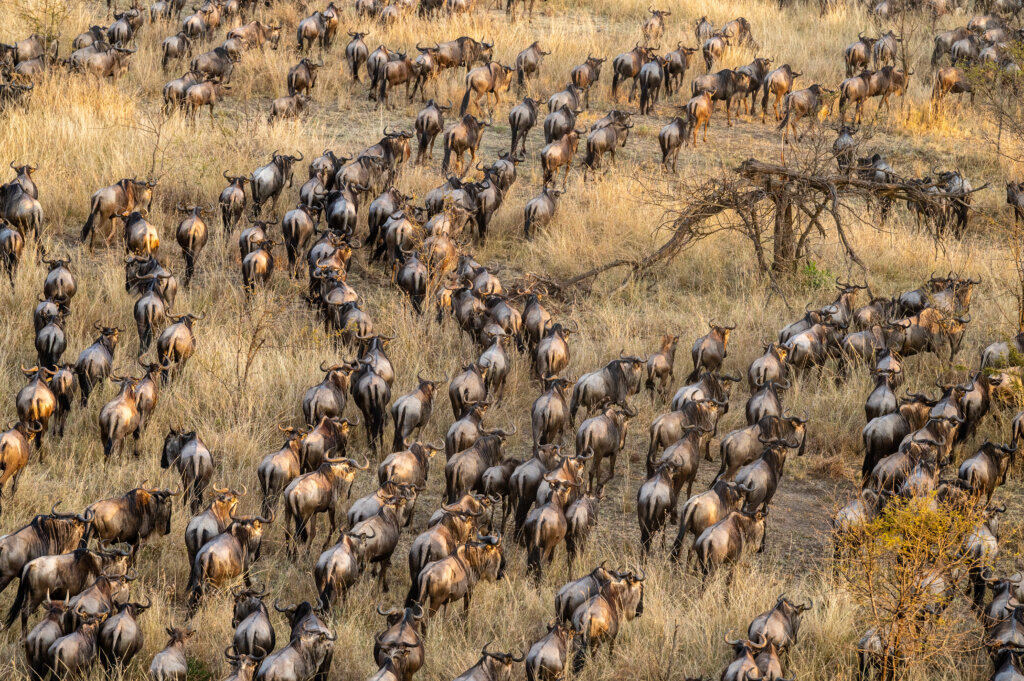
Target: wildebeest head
(247, 601)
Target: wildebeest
(125, 196)
(232, 201)
(175, 47)
(47, 534)
(600, 617)
(671, 140)
(190, 456)
(950, 79)
(429, 124)
(806, 103)
(462, 137)
(227, 556)
(726, 541)
(627, 66)
(268, 181)
(521, 119)
(19, 207)
(132, 516)
(615, 382)
(456, 576)
(710, 350)
(987, 468)
(603, 436)
(12, 245)
(585, 75)
(307, 656)
(302, 76)
(857, 55)
(778, 83)
(540, 210)
(491, 79)
(66, 574)
(170, 664)
(560, 153)
(528, 63)
(722, 86)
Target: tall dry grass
(85, 134)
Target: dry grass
(85, 134)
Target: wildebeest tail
(579, 656)
(785, 119)
(19, 601)
(415, 592)
(88, 226)
(465, 100)
(698, 363)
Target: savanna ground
(85, 134)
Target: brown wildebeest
(399, 70)
(627, 66)
(777, 83)
(124, 196)
(456, 576)
(585, 75)
(600, 617)
(654, 25)
(66, 574)
(857, 55)
(483, 81)
(802, 103)
(528, 63)
(302, 76)
(429, 124)
(462, 137)
(227, 556)
(950, 80)
(560, 153)
(713, 49)
(710, 350)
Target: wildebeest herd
(79, 567)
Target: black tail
(413, 596)
(519, 78)
(383, 90)
(18, 604)
(465, 101)
(579, 657)
(533, 563)
(446, 161)
(327, 596)
(87, 227)
(422, 148)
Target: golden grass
(85, 134)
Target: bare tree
(780, 210)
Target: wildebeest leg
(383, 576)
(332, 517)
(611, 470)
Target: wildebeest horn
(731, 642)
(385, 613)
(365, 466)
